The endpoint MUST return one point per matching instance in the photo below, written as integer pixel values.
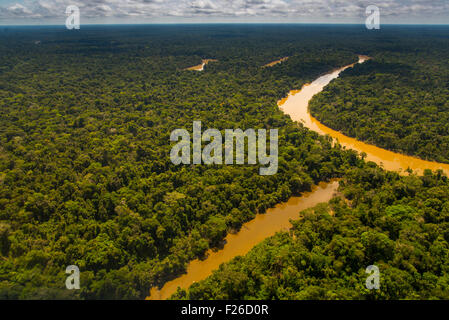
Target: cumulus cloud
(40, 9)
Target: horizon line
(225, 23)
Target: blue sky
(211, 11)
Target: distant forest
(85, 172)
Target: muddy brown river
(278, 218)
(261, 227)
(296, 105)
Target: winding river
(278, 218)
(296, 106)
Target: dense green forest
(400, 224)
(398, 100)
(85, 121)
(86, 177)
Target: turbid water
(200, 67)
(278, 218)
(273, 63)
(261, 227)
(296, 105)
